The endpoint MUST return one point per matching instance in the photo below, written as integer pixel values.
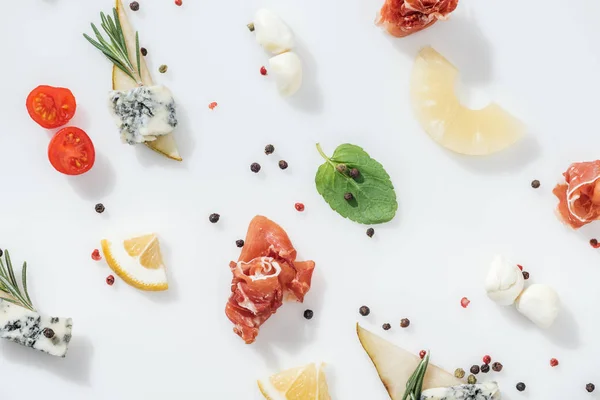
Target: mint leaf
(373, 197)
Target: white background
(538, 59)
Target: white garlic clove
(272, 33)
(539, 303)
(504, 281)
(287, 69)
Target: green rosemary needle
(414, 385)
(9, 288)
(115, 48)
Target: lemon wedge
(300, 383)
(138, 261)
(447, 121)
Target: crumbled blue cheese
(479, 391)
(28, 328)
(143, 113)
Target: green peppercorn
(459, 373)
(341, 168)
(162, 69)
(471, 380)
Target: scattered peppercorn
(464, 302)
(348, 196)
(497, 366)
(485, 368)
(386, 327)
(283, 164)
(214, 218)
(49, 333)
(404, 322)
(163, 68)
(459, 373)
(422, 354)
(521, 386)
(594, 243)
(99, 208)
(471, 380)
(213, 105)
(308, 314)
(299, 207)
(364, 311)
(535, 184)
(520, 267)
(354, 173)
(179, 3)
(144, 51)
(134, 5)
(474, 369)
(370, 232)
(525, 275)
(487, 359)
(263, 71)
(239, 243)
(110, 280)
(553, 362)
(269, 149)
(96, 255)
(590, 387)
(341, 168)
(255, 167)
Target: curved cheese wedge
(395, 365)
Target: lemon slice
(138, 261)
(447, 121)
(300, 383)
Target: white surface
(538, 60)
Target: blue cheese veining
(47, 334)
(143, 113)
(479, 391)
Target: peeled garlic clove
(287, 69)
(272, 33)
(504, 281)
(539, 303)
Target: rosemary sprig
(9, 288)
(414, 385)
(115, 48)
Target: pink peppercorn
(110, 280)
(464, 302)
(96, 255)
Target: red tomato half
(51, 107)
(71, 151)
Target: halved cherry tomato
(51, 107)
(71, 151)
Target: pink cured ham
(579, 196)
(401, 18)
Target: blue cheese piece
(143, 113)
(479, 391)
(47, 334)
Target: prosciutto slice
(579, 196)
(401, 18)
(265, 274)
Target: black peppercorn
(386, 327)
(49, 333)
(364, 311)
(474, 369)
(269, 149)
(99, 208)
(144, 51)
(404, 322)
(370, 232)
(497, 366)
(134, 5)
(525, 275)
(535, 184)
(485, 368)
(214, 218)
(348, 196)
(590, 387)
(283, 164)
(521, 386)
(341, 168)
(255, 167)
(354, 173)
(239, 243)
(308, 314)
(594, 242)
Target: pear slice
(447, 121)
(395, 365)
(165, 144)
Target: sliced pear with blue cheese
(164, 144)
(395, 365)
(478, 391)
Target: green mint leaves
(373, 199)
